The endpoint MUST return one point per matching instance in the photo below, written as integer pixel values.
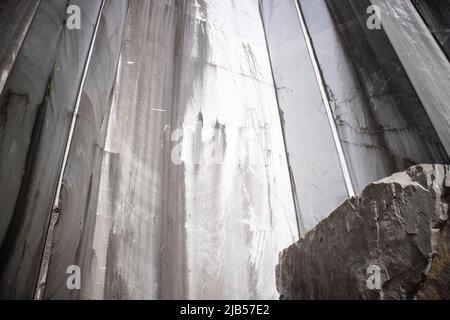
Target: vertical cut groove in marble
(54, 215)
(325, 98)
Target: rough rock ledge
(398, 226)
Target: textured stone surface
(308, 136)
(399, 223)
(383, 124)
(36, 104)
(192, 229)
(78, 201)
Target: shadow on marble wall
(383, 119)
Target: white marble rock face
(192, 229)
(171, 149)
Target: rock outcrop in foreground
(397, 228)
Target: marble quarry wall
(37, 103)
(171, 149)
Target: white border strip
(320, 81)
